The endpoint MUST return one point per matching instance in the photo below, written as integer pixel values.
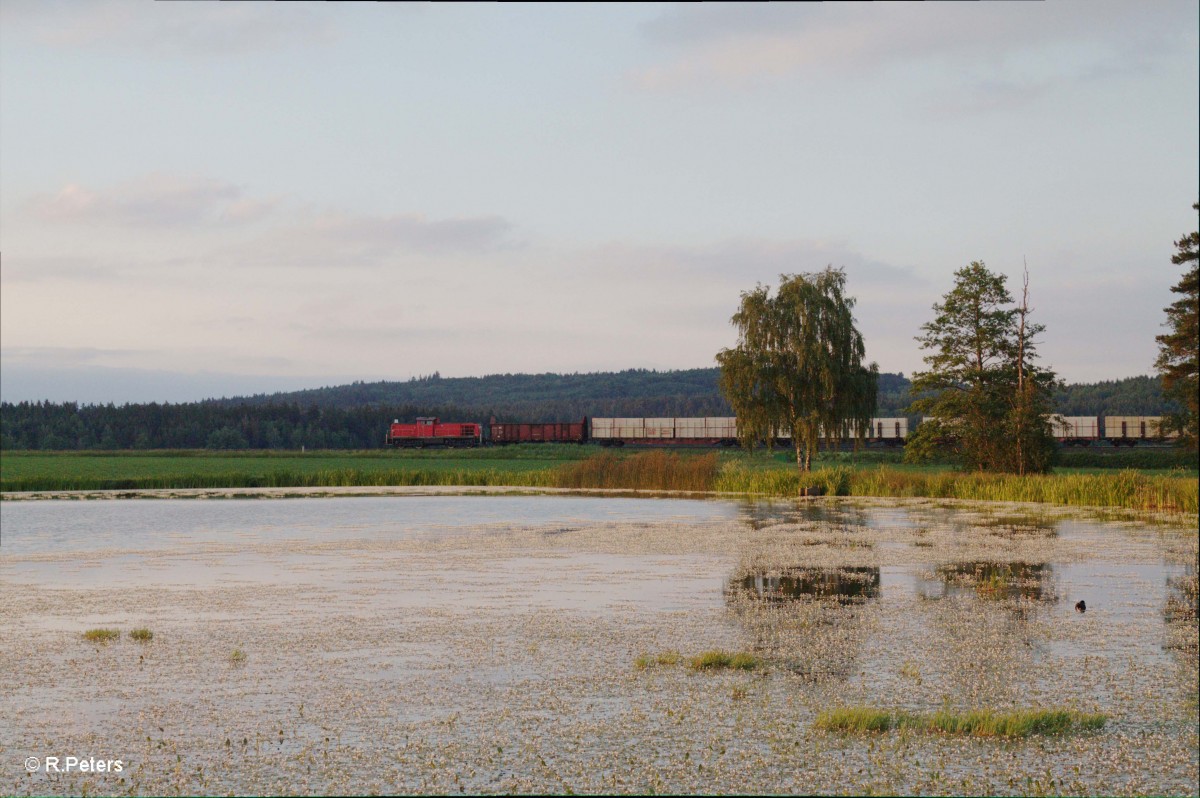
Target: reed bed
(651, 470)
(976, 723)
(660, 470)
(332, 478)
(1127, 489)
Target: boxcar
(1128, 430)
(503, 434)
(430, 431)
(1075, 430)
(664, 431)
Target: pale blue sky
(206, 198)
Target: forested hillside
(1133, 396)
(356, 416)
(553, 397)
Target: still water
(487, 643)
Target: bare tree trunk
(1021, 398)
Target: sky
(202, 199)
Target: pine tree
(984, 398)
(1178, 357)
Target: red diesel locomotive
(429, 431)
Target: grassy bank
(588, 467)
(1127, 489)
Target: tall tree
(798, 364)
(983, 396)
(1031, 441)
(1178, 360)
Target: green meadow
(870, 473)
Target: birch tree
(798, 365)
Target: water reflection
(1180, 612)
(992, 581)
(810, 620)
(845, 585)
(763, 515)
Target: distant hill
(642, 392)
(549, 397)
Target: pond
(491, 644)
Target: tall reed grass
(651, 470)
(332, 478)
(1127, 489)
(662, 470)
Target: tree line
(198, 425)
(232, 424)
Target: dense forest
(355, 416)
(553, 397)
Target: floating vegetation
(142, 635)
(1180, 613)
(237, 657)
(977, 723)
(466, 645)
(102, 635)
(725, 660)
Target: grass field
(873, 473)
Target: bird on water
(1080, 606)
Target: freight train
(722, 431)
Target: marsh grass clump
(725, 660)
(985, 723)
(666, 658)
(237, 657)
(861, 719)
(975, 723)
(102, 635)
(142, 635)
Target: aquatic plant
(975, 723)
(101, 635)
(721, 660)
(142, 635)
(665, 658)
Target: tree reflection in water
(807, 619)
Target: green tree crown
(797, 368)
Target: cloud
(216, 29)
(728, 44)
(344, 240)
(385, 233)
(67, 355)
(154, 200)
(25, 269)
(249, 210)
(991, 95)
(748, 260)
